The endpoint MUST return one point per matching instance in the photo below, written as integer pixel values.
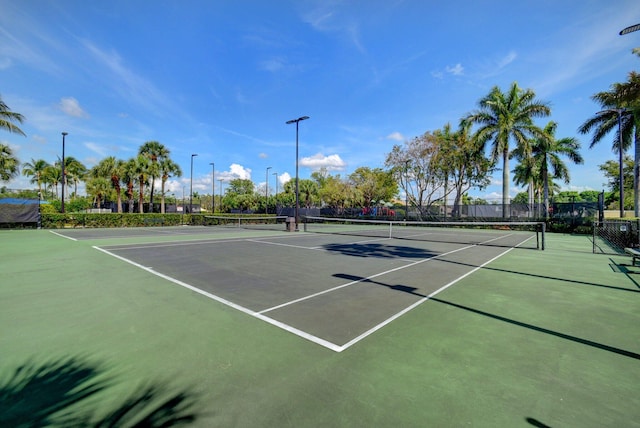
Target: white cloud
(71, 106)
(284, 178)
(238, 171)
(263, 155)
(456, 70)
(396, 136)
(318, 161)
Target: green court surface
(223, 327)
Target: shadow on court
(412, 290)
(61, 393)
(379, 250)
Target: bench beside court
(634, 253)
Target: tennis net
(252, 222)
(500, 234)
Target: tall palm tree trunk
(505, 184)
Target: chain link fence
(613, 236)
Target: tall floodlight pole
(191, 187)
(64, 173)
(297, 213)
(213, 187)
(266, 193)
(619, 112)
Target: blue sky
(221, 78)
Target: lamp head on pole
(289, 122)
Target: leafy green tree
(374, 185)
(521, 198)
(611, 169)
(590, 195)
(503, 117)
(417, 167)
(337, 193)
(9, 163)
(241, 186)
(35, 169)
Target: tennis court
(334, 289)
(272, 328)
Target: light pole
(220, 180)
(619, 112)
(297, 212)
(64, 173)
(191, 187)
(266, 193)
(213, 187)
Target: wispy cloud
(71, 106)
(456, 70)
(127, 83)
(326, 18)
(97, 149)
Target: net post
(544, 227)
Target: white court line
(63, 236)
(311, 296)
(418, 303)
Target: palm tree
(35, 169)
(168, 168)
(9, 163)
(7, 119)
(545, 159)
(128, 178)
(75, 172)
(52, 176)
(99, 188)
(141, 166)
(503, 117)
(620, 115)
(111, 169)
(156, 152)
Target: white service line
(418, 303)
(63, 236)
(311, 296)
